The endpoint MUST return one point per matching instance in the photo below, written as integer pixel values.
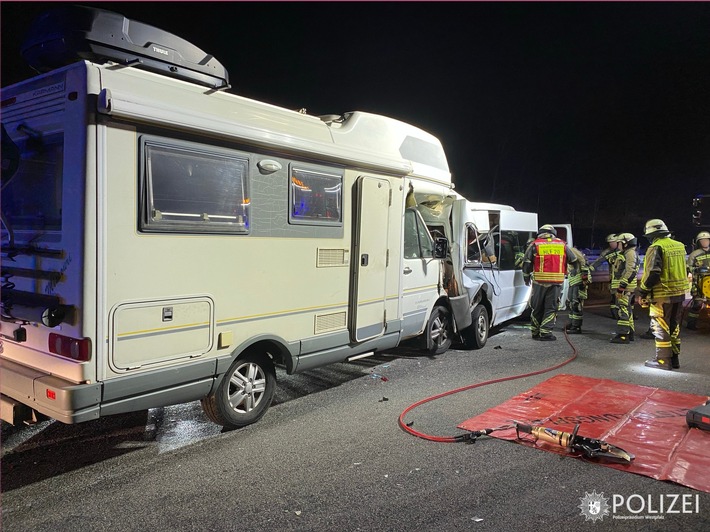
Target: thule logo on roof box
(72, 33)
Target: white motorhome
(166, 241)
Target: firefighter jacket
(608, 255)
(697, 261)
(626, 268)
(664, 270)
(578, 271)
(546, 260)
(700, 258)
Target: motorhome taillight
(70, 347)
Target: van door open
(515, 229)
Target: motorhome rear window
(32, 196)
(194, 188)
(316, 197)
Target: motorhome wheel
(244, 393)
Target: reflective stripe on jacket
(665, 257)
(626, 269)
(550, 261)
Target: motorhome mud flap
(461, 310)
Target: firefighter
(626, 268)
(609, 255)
(545, 265)
(579, 279)
(698, 264)
(662, 289)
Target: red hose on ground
(454, 439)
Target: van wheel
(439, 331)
(244, 393)
(476, 335)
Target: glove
(620, 291)
(527, 281)
(644, 302)
(591, 268)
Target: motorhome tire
(244, 393)
(439, 331)
(476, 335)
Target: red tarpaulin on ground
(646, 422)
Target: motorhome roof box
(72, 33)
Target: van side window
(417, 241)
(316, 198)
(193, 188)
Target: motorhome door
(369, 287)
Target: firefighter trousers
(625, 305)
(665, 323)
(696, 305)
(575, 301)
(544, 301)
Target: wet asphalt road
(329, 454)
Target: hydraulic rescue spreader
(588, 447)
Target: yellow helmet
(612, 237)
(655, 226)
(702, 234)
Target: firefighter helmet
(701, 235)
(655, 227)
(628, 239)
(547, 228)
(612, 237)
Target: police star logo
(594, 506)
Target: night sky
(592, 113)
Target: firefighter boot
(691, 326)
(675, 362)
(648, 335)
(621, 339)
(659, 363)
(574, 328)
(547, 337)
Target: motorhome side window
(193, 188)
(316, 198)
(417, 241)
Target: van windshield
(32, 197)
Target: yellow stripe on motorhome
(283, 312)
(420, 288)
(163, 329)
(391, 297)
